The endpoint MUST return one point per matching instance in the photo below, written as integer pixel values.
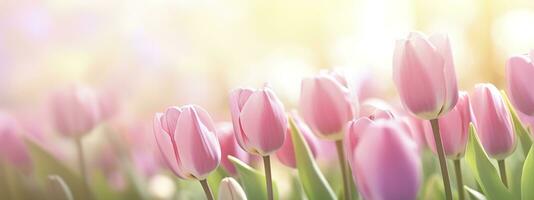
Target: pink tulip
(75, 111)
(493, 122)
(259, 119)
(519, 73)
(528, 122)
(423, 72)
(186, 138)
(12, 147)
(386, 173)
(326, 105)
(454, 127)
(230, 147)
(355, 129)
(286, 154)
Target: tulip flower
(12, 146)
(230, 147)
(386, 173)
(260, 124)
(286, 154)
(423, 72)
(376, 109)
(454, 127)
(519, 73)
(493, 122)
(75, 111)
(355, 129)
(494, 125)
(186, 138)
(326, 105)
(229, 189)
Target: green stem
(81, 160)
(207, 189)
(459, 179)
(502, 170)
(344, 173)
(441, 157)
(268, 177)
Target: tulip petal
(264, 122)
(443, 47)
(166, 147)
(325, 105)
(197, 143)
(519, 73)
(493, 121)
(355, 130)
(419, 85)
(238, 98)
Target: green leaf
(434, 188)
(46, 164)
(520, 130)
(527, 180)
(253, 181)
(314, 184)
(474, 194)
(483, 170)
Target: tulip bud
(75, 111)
(259, 119)
(186, 138)
(386, 163)
(12, 146)
(454, 127)
(229, 147)
(519, 73)
(326, 105)
(423, 72)
(286, 154)
(229, 189)
(493, 122)
(376, 109)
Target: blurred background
(148, 55)
(158, 53)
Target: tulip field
(261, 100)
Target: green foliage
(483, 170)
(527, 180)
(252, 181)
(314, 184)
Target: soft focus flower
(108, 104)
(229, 189)
(186, 138)
(423, 72)
(519, 76)
(12, 146)
(385, 163)
(286, 154)
(259, 119)
(454, 127)
(326, 105)
(230, 147)
(355, 129)
(75, 111)
(416, 128)
(492, 120)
